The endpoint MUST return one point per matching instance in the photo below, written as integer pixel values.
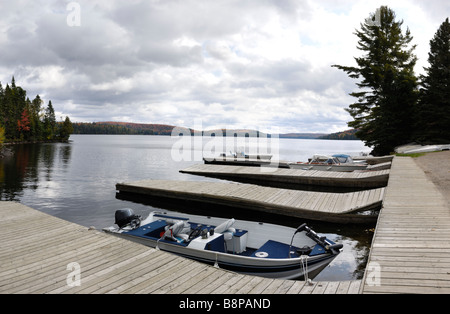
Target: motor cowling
(125, 216)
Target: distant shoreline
(126, 128)
(269, 136)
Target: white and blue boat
(259, 249)
(338, 162)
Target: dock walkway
(331, 207)
(366, 179)
(40, 254)
(411, 247)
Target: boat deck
(332, 207)
(363, 179)
(38, 249)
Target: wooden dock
(331, 207)
(411, 247)
(366, 179)
(40, 253)
(409, 254)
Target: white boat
(416, 148)
(339, 162)
(247, 247)
(246, 156)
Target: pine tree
(388, 89)
(65, 129)
(2, 104)
(433, 109)
(36, 107)
(2, 136)
(49, 122)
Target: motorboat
(347, 159)
(242, 154)
(338, 162)
(247, 247)
(240, 159)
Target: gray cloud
(237, 63)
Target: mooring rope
(304, 262)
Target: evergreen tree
(2, 136)
(65, 129)
(36, 107)
(13, 104)
(49, 122)
(2, 104)
(388, 90)
(433, 109)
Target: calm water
(76, 181)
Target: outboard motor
(126, 216)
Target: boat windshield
(343, 158)
(317, 159)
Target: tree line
(25, 120)
(394, 106)
(106, 128)
(349, 135)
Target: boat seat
(177, 230)
(224, 226)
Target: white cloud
(232, 63)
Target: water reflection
(29, 166)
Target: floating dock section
(331, 207)
(364, 179)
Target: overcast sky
(262, 64)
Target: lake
(76, 181)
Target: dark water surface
(76, 181)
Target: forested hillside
(345, 135)
(121, 128)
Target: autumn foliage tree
(22, 119)
(23, 125)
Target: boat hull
(324, 167)
(288, 268)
